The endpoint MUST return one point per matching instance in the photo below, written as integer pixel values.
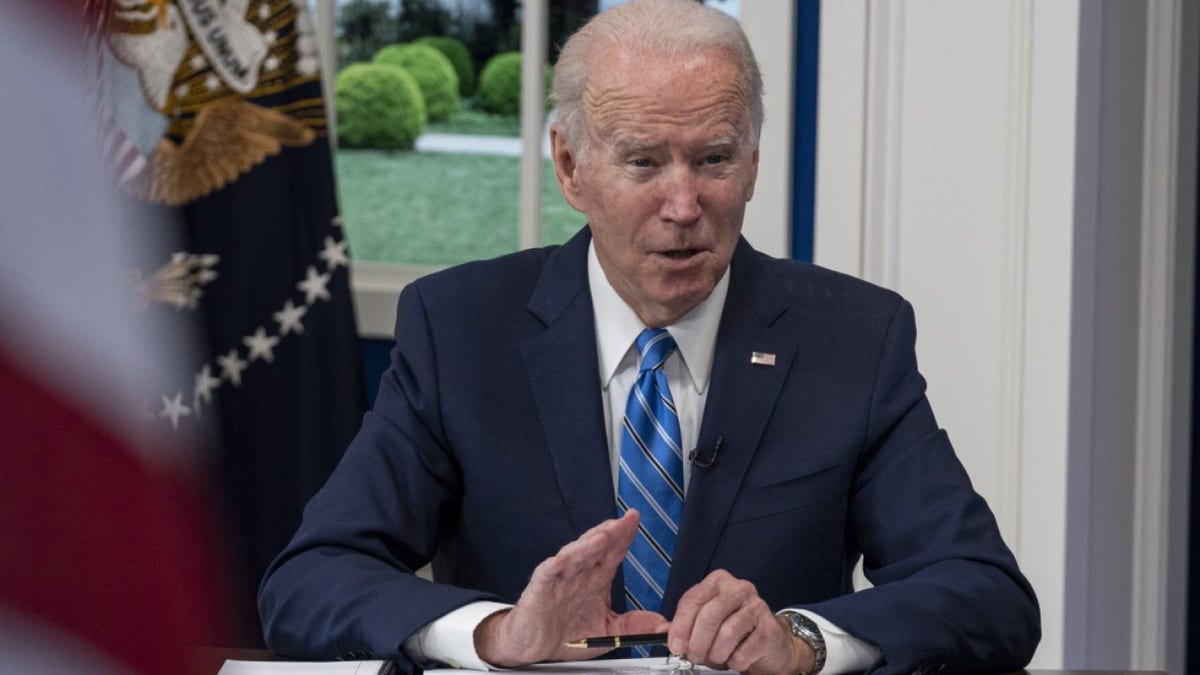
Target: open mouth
(682, 254)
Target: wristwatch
(806, 629)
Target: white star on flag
(205, 385)
(174, 409)
(193, 298)
(334, 254)
(261, 345)
(232, 367)
(289, 318)
(314, 286)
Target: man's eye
(640, 162)
(715, 159)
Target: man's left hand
(721, 622)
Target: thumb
(639, 621)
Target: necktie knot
(654, 346)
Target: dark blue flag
(215, 109)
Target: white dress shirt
(450, 638)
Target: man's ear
(749, 193)
(566, 167)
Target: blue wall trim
(804, 141)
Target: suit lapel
(741, 398)
(563, 370)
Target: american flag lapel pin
(762, 359)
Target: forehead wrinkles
(617, 106)
(634, 88)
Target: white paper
(233, 667)
(660, 665)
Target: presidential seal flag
(212, 113)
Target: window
(461, 194)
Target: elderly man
(532, 435)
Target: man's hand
(568, 597)
(722, 623)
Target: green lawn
(469, 120)
(439, 209)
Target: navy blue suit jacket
(486, 452)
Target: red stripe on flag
(98, 541)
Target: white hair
(672, 27)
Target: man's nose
(681, 196)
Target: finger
(738, 631)
(594, 544)
(565, 565)
(623, 532)
(637, 621)
(618, 535)
(770, 649)
(726, 620)
(590, 560)
(766, 645)
(728, 611)
(688, 609)
(615, 533)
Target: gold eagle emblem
(228, 138)
(205, 69)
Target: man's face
(666, 175)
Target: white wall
(986, 159)
(770, 26)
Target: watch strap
(806, 629)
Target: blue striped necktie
(651, 474)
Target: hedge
(378, 106)
(433, 72)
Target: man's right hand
(567, 598)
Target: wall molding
(1011, 358)
(876, 61)
(883, 147)
(841, 122)
(770, 26)
(1158, 352)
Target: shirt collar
(617, 326)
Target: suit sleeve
(345, 586)
(947, 591)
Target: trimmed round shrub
(378, 106)
(500, 84)
(460, 58)
(433, 72)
